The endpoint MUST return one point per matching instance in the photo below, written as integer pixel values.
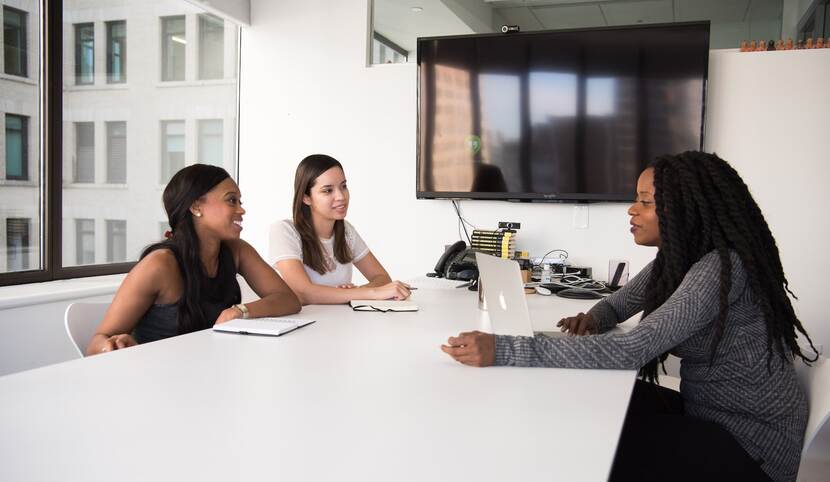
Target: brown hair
(305, 178)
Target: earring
(198, 215)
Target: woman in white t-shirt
(314, 254)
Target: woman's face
(329, 195)
(644, 224)
(219, 212)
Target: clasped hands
(478, 349)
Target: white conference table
(354, 396)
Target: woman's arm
(276, 298)
(310, 293)
(621, 305)
(373, 271)
(139, 290)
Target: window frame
(24, 50)
(49, 164)
(122, 74)
(167, 52)
(79, 53)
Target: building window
(85, 241)
(17, 147)
(116, 240)
(84, 53)
(172, 149)
(211, 47)
(15, 41)
(117, 152)
(84, 152)
(173, 46)
(385, 51)
(17, 244)
(116, 52)
(210, 142)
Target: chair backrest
(80, 321)
(815, 380)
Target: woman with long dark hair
(716, 297)
(188, 282)
(316, 250)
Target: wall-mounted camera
(509, 29)
(510, 225)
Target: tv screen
(569, 115)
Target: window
(211, 47)
(385, 51)
(117, 152)
(173, 47)
(15, 41)
(116, 52)
(172, 149)
(116, 240)
(210, 142)
(84, 152)
(84, 53)
(84, 241)
(17, 147)
(17, 244)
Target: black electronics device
(563, 115)
(457, 262)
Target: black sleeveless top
(218, 293)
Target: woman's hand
(228, 314)
(347, 286)
(472, 348)
(117, 342)
(395, 290)
(581, 324)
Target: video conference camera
(510, 29)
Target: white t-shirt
(285, 244)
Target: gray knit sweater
(765, 410)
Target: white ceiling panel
(714, 10)
(577, 16)
(521, 16)
(630, 13)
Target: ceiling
(732, 20)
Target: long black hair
(185, 188)
(703, 205)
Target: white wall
(305, 89)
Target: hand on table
(395, 290)
(117, 342)
(472, 348)
(581, 324)
(228, 314)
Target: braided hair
(702, 206)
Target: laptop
(504, 293)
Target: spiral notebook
(262, 326)
(383, 306)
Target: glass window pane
(211, 47)
(173, 48)
(116, 51)
(84, 152)
(15, 40)
(126, 142)
(84, 53)
(117, 152)
(20, 161)
(210, 142)
(84, 241)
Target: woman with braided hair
(716, 297)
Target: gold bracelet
(243, 309)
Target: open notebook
(383, 306)
(262, 326)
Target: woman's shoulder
(158, 265)
(286, 226)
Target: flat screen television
(566, 115)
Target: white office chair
(80, 321)
(815, 380)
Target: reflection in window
(172, 149)
(117, 152)
(602, 96)
(116, 240)
(173, 47)
(17, 244)
(211, 47)
(84, 241)
(552, 94)
(210, 142)
(116, 52)
(84, 152)
(15, 41)
(17, 147)
(84, 53)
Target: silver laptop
(505, 296)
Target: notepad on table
(262, 326)
(383, 305)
